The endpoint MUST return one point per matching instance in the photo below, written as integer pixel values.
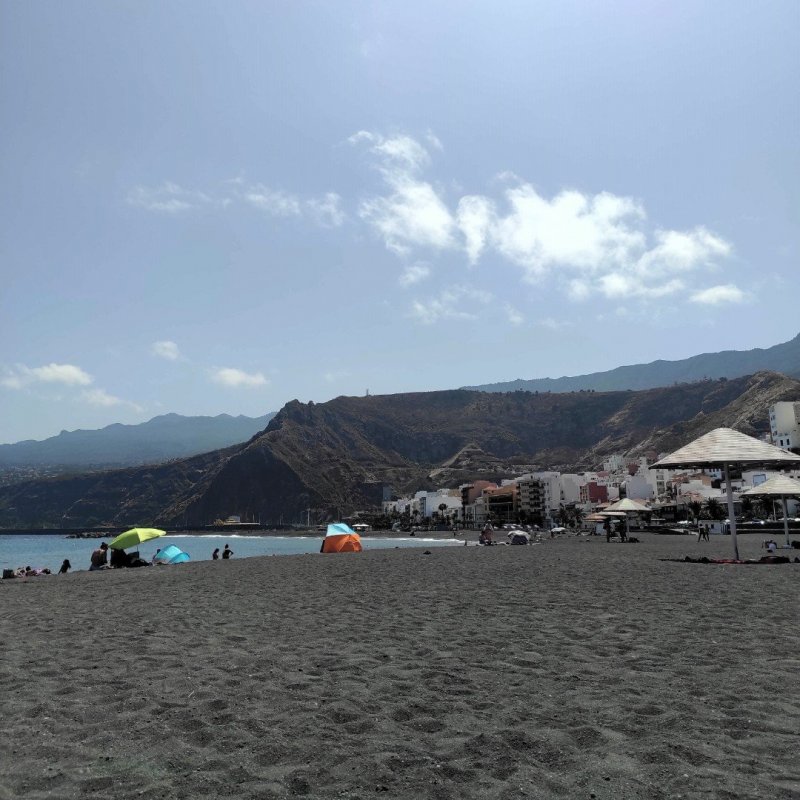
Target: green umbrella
(135, 536)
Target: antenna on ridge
(367, 394)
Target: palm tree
(715, 510)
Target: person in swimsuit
(99, 558)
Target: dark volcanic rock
(336, 457)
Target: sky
(215, 207)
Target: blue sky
(221, 206)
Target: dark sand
(573, 669)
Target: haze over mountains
(160, 439)
(326, 460)
(783, 358)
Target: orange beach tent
(341, 538)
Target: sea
(50, 550)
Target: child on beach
(65, 567)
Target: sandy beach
(574, 669)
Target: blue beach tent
(171, 554)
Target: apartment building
(784, 424)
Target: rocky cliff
(335, 457)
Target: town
(550, 499)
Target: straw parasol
(779, 486)
(627, 506)
(723, 448)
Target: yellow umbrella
(135, 536)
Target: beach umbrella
(779, 486)
(626, 506)
(341, 538)
(557, 530)
(724, 448)
(135, 536)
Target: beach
(573, 668)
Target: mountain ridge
(783, 358)
(161, 438)
(330, 459)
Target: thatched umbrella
(723, 448)
(779, 486)
(627, 506)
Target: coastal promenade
(574, 668)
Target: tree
(442, 509)
(695, 507)
(747, 506)
(715, 509)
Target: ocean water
(49, 551)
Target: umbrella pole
(731, 515)
(785, 520)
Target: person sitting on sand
(227, 552)
(99, 559)
(215, 554)
(65, 567)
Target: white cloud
(474, 218)
(236, 378)
(592, 243)
(169, 198)
(396, 152)
(326, 210)
(514, 316)
(455, 303)
(166, 349)
(414, 274)
(67, 374)
(100, 397)
(413, 215)
(273, 201)
(716, 295)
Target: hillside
(783, 358)
(160, 439)
(337, 457)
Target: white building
(784, 424)
(637, 487)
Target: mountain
(784, 358)
(337, 457)
(162, 438)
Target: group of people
(226, 553)
(32, 572)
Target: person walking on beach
(227, 552)
(99, 559)
(215, 554)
